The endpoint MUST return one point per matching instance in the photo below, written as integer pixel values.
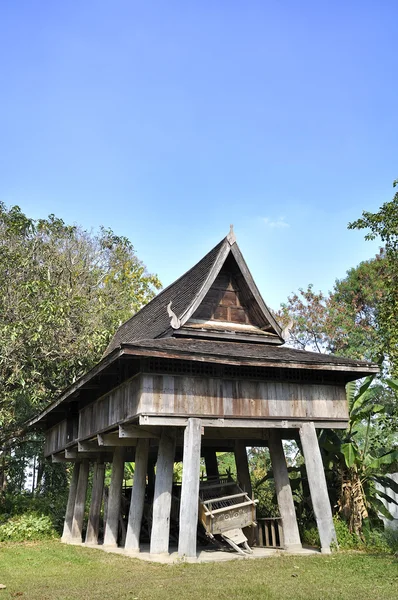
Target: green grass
(52, 571)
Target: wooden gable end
(229, 308)
(223, 302)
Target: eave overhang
(228, 353)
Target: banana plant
(359, 466)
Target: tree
(384, 224)
(344, 322)
(359, 459)
(63, 292)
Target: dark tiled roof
(152, 320)
(244, 351)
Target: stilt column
(243, 476)
(137, 496)
(284, 492)
(115, 497)
(190, 489)
(211, 463)
(162, 498)
(317, 484)
(95, 505)
(242, 467)
(70, 507)
(80, 502)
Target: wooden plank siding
(56, 438)
(118, 406)
(170, 394)
(203, 396)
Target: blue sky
(167, 121)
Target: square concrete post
(284, 492)
(70, 507)
(114, 498)
(96, 502)
(137, 496)
(317, 484)
(190, 489)
(163, 490)
(80, 502)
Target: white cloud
(276, 223)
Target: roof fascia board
(227, 335)
(254, 289)
(214, 271)
(255, 362)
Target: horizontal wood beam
(59, 458)
(90, 447)
(133, 431)
(75, 454)
(107, 440)
(228, 422)
(228, 433)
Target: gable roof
(186, 295)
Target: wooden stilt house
(200, 369)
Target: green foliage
(346, 539)
(63, 292)
(384, 224)
(310, 536)
(51, 505)
(373, 539)
(226, 463)
(29, 526)
(345, 321)
(359, 462)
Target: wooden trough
(224, 510)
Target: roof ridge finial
(231, 236)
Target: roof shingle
(152, 320)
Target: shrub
(345, 539)
(53, 506)
(310, 537)
(373, 540)
(30, 526)
(381, 540)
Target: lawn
(52, 571)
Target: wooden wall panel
(207, 396)
(115, 407)
(56, 438)
(241, 398)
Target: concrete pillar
(242, 467)
(162, 497)
(96, 502)
(80, 502)
(211, 463)
(317, 483)
(137, 496)
(70, 507)
(114, 498)
(190, 489)
(284, 492)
